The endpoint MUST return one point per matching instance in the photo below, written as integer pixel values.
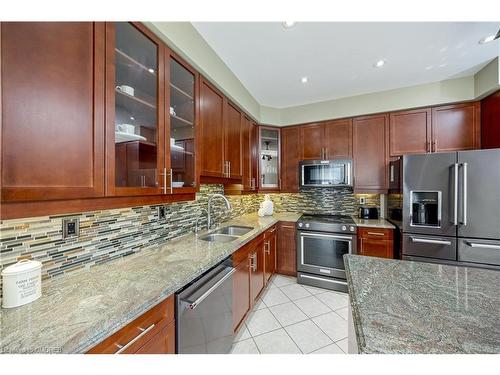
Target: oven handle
(306, 234)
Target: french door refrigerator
(451, 208)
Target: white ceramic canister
(22, 283)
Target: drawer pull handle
(121, 348)
(483, 245)
(437, 242)
(376, 233)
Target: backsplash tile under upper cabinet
(110, 234)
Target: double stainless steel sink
(226, 234)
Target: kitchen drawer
(270, 232)
(161, 343)
(139, 332)
(479, 251)
(430, 246)
(375, 233)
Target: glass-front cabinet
(150, 114)
(269, 158)
(135, 92)
(182, 115)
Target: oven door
(322, 253)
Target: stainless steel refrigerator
(451, 208)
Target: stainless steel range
(322, 241)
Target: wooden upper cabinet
(410, 132)
(338, 139)
(52, 110)
(182, 123)
(290, 157)
(136, 145)
(456, 127)
(232, 142)
(370, 153)
(490, 121)
(211, 131)
(312, 137)
(248, 154)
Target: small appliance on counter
(368, 213)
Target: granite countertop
(80, 309)
(414, 307)
(373, 223)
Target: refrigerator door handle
(464, 194)
(455, 194)
(483, 245)
(425, 240)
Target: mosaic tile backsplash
(110, 234)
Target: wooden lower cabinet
(286, 254)
(257, 265)
(151, 333)
(376, 242)
(241, 289)
(270, 242)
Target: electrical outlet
(70, 227)
(161, 212)
(362, 200)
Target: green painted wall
(185, 40)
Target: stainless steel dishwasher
(204, 313)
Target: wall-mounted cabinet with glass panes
(150, 115)
(182, 115)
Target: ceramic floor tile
(312, 306)
(261, 321)
(333, 325)
(259, 305)
(308, 336)
(295, 291)
(276, 342)
(245, 347)
(333, 300)
(343, 344)
(282, 280)
(273, 297)
(342, 312)
(288, 313)
(242, 333)
(330, 349)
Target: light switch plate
(362, 200)
(70, 227)
(161, 212)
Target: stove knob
(300, 225)
(352, 229)
(307, 225)
(344, 227)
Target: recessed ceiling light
(379, 64)
(132, 118)
(303, 79)
(150, 70)
(288, 24)
(487, 39)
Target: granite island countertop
(414, 307)
(373, 223)
(79, 310)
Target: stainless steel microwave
(325, 173)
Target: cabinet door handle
(435, 242)
(267, 247)
(428, 146)
(392, 172)
(483, 245)
(376, 233)
(164, 180)
(122, 348)
(228, 169)
(434, 145)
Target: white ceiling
(338, 57)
